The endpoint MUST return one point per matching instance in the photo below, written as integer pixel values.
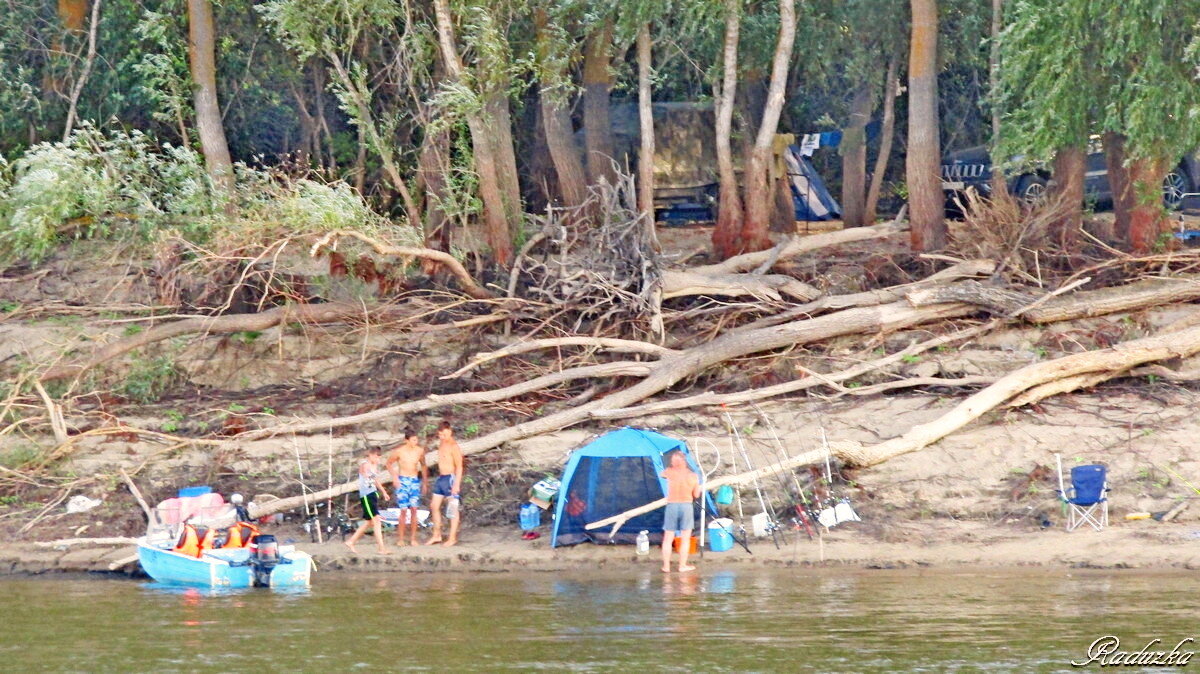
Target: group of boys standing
(405, 463)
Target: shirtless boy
(682, 488)
(449, 482)
(370, 488)
(405, 462)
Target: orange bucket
(693, 544)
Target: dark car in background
(972, 168)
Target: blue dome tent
(612, 473)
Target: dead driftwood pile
(604, 317)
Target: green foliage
(1076, 68)
(149, 378)
(93, 186)
(20, 456)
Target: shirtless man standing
(369, 490)
(682, 488)
(449, 482)
(405, 462)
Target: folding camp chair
(1087, 499)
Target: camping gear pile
(196, 538)
(541, 497)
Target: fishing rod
(803, 516)
(783, 485)
(704, 492)
(771, 527)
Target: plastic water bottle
(643, 543)
(452, 506)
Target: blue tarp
(610, 474)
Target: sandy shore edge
(949, 545)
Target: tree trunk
(560, 138)
(783, 211)
(556, 123)
(1070, 167)
(854, 158)
(1119, 184)
(203, 61)
(433, 165)
(495, 216)
(759, 195)
(597, 83)
(729, 199)
(1148, 219)
(499, 121)
(645, 126)
(886, 133)
(926, 202)
(88, 63)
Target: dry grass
(1016, 234)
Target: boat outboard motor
(264, 557)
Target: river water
(714, 620)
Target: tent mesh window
(602, 487)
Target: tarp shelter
(809, 195)
(610, 474)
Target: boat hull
(168, 566)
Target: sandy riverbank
(928, 544)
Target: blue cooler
(720, 535)
(188, 492)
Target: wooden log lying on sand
(1053, 376)
(64, 543)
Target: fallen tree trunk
(602, 370)
(604, 343)
(1087, 368)
(769, 286)
(1082, 304)
(469, 286)
(867, 298)
(63, 543)
(708, 398)
(260, 510)
(332, 312)
(798, 245)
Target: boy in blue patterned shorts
(405, 462)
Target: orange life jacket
(192, 543)
(239, 535)
(206, 540)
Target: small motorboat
(264, 563)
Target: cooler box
(720, 536)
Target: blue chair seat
(1086, 497)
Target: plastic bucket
(720, 538)
(724, 495)
(693, 544)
